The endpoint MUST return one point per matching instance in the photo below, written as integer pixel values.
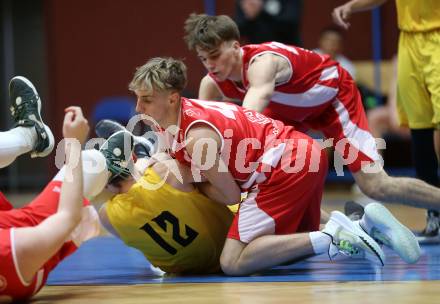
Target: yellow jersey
(418, 15)
(179, 232)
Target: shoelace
(112, 164)
(26, 106)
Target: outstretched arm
(75, 130)
(343, 12)
(35, 245)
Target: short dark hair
(207, 32)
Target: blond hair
(162, 74)
(207, 32)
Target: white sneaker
(349, 239)
(387, 230)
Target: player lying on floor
(33, 238)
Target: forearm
(363, 5)
(72, 188)
(214, 194)
(257, 99)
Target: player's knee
(226, 264)
(230, 266)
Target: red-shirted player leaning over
(302, 89)
(33, 238)
(283, 171)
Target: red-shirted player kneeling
(282, 170)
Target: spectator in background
(269, 20)
(331, 42)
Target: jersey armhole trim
(15, 259)
(208, 123)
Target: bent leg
(265, 230)
(399, 190)
(239, 258)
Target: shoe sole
(103, 132)
(39, 120)
(49, 148)
(402, 240)
(378, 256)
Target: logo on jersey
(192, 112)
(257, 118)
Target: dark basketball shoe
(106, 127)
(143, 147)
(26, 111)
(353, 210)
(117, 151)
(430, 235)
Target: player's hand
(75, 125)
(341, 14)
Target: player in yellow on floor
(177, 228)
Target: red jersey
(249, 139)
(12, 285)
(312, 85)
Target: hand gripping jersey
(179, 232)
(318, 95)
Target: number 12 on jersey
(161, 220)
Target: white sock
(320, 241)
(16, 142)
(95, 173)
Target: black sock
(424, 156)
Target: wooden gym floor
(105, 271)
